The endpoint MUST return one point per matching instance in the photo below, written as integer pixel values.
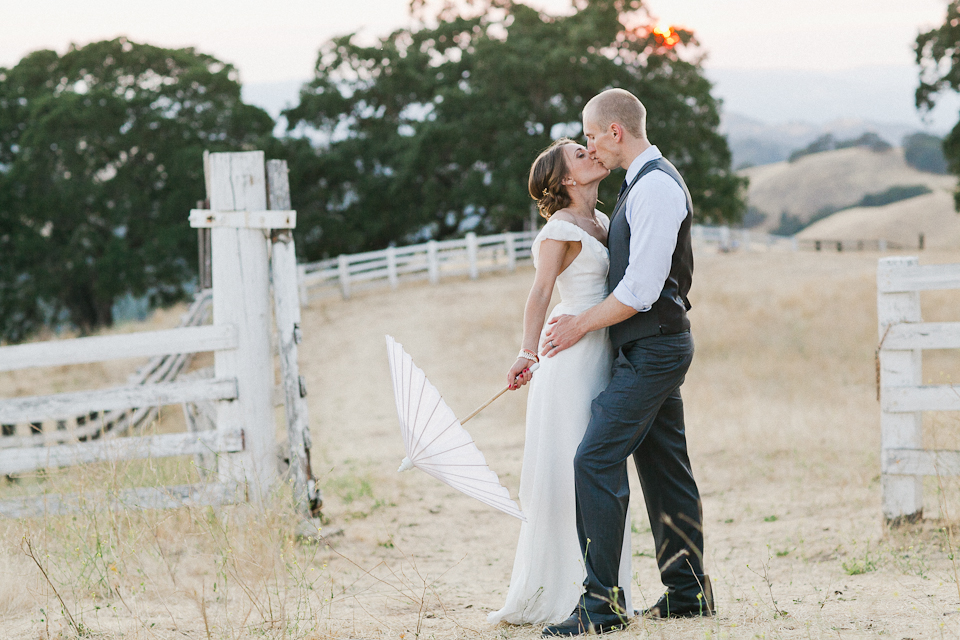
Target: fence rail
(473, 255)
(431, 261)
(62, 405)
(903, 397)
(165, 365)
(103, 348)
(161, 446)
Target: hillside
(832, 179)
(900, 222)
(757, 142)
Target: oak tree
(938, 56)
(430, 132)
(101, 153)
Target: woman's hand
(519, 373)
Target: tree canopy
(431, 131)
(428, 133)
(924, 152)
(938, 56)
(101, 154)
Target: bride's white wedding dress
(548, 571)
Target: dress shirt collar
(650, 154)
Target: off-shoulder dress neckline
(582, 230)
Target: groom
(640, 413)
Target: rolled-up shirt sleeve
(655, 209)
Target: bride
(570, 251)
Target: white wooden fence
(244, 439)
(471, 256)
(431, 260)
(96, 424)
(903, 396)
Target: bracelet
(528, 355)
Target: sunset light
(666, 36)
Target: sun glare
(666, 36)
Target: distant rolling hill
(755, 142)
(901, 222)
(836, 179)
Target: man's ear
(617, 131)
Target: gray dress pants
(640, 414)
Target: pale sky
(278, 40)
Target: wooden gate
(903, 396)
(250, 222)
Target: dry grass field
(783, 426)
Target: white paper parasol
(435, 441)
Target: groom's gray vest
(669, 313)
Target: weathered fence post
(472, 255)
(392, 267)
(902, 494)
(283, 270)
(510, 246)
(302, 285)
(343, 272)
(241, 293)
(433, 262)
(203, 249)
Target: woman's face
(581, 167)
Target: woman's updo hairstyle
(546, 174)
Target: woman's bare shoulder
(564, 215)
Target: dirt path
(783, 430)
(784, 438)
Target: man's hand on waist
(565, 331)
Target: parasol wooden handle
(536, 365)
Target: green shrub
(893, 194)
(827, 142)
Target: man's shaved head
(620, 106)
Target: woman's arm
(554, 257)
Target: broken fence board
(283, 265)
(65, 405)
